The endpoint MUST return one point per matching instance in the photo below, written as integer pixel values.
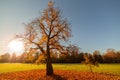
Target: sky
(95, 24)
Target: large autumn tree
(46, 33)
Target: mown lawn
(12, 67)
(103, 68)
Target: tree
(13, 58)
(5, 57)
(118, 56)
(110, 56)
(97, 56)
(45, 33)
(90, 61)
(41, 59)
(81, 57)
(72, 53)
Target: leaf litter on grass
(59, 75)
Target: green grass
(108, 68)
(103, 68)
(12, 67)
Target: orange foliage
(60, 75)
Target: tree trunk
(49, 68)
(91, 68)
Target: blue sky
(95, 24)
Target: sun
(16, 46)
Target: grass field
(12, 67)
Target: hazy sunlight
(16, 46)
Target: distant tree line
(75, 56)
(71, 54)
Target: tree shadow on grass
(55, 77)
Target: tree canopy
(45, 33)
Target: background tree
(110, 56)
(118, 56)
(97, 56)
(45, 33)
(90, 61)
(13, 58)
(5, 58)
(81, 57)
(72, 52)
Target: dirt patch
(59, 75)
